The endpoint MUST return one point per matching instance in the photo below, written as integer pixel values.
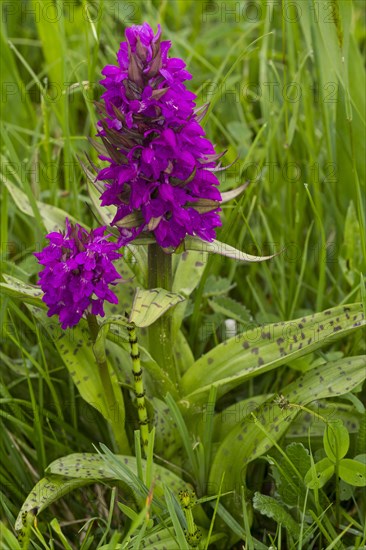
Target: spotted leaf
(254, 435)
(149, 305)
(264, 348)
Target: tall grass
(285, 82)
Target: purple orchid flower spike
(160, 172)
(77, 272)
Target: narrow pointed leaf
(22, 291)
(106, 213)
(53, 218)
(216, 247)
(229, 195)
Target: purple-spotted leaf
(20, 290)
(77, 470)
(46, 491)
(253, 436)
(266, 347)
(223, 249)
(149, 305)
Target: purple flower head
(161, 168)
(77, 274)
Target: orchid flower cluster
(160, 176)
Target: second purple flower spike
(160, 172)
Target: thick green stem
(109, 395)
(160, 337)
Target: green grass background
(286, 86)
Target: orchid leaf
(264, 348)
(77, 470)
(46, 491)
(256, 432)
(149, 305)
(20, 290)
(223, 249)
(229, 195)
(53, 217)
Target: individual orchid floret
(78, 269)
(161, 168)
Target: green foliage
(262, 423)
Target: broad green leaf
(53, 217)
(96, 466)
(76, 470)
(304, 424)
(353, 472)
(22, 291)
(223, 249)
(252, 437)
(263, 348)
(346, 491)
(46, 491)
(75, 349)
(149, 305)
(271, 508)
(336, 440)
(167, 440)
(318, 474)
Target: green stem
(160, 338)
(109, 395)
